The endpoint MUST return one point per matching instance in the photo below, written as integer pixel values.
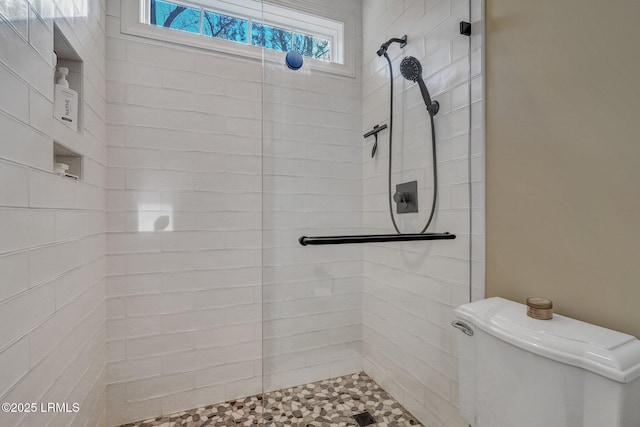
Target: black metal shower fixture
(406, 195)
(374, 132)
(384, 46)
(411, 69)
(465, 28)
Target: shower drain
(364, 419)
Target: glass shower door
(311, 185)
(357, 330)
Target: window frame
(135, 20)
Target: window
(249, 22)
(253, 29)
(225, 27)
(171, 15)
(270, 37)
(315, 47)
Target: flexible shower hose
(433, 147)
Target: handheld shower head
(411, 69)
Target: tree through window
(314, 47)
(177, 17)
(270, 37)
(225, 27)
(238, 29)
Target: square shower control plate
(410, 189)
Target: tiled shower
(169, 276)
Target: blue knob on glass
(294, 60)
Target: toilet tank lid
(603, 351)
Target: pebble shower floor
(331, 403)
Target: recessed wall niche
(65, 156)
(66, 110)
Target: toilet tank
(515, 371)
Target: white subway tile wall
(52, 250)
(183, 226)
(185, 214)
(410, 289)
(186, 244)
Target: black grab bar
(372, 238)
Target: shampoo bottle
(65, 106)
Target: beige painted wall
(563, 156)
